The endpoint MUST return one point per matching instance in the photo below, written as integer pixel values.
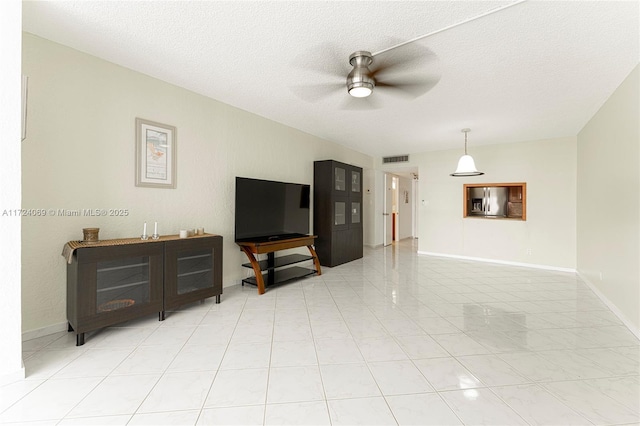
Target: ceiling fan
(408, 73)
(362, 79)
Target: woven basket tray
(114, 305)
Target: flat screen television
(269, 210)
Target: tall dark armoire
(337, 212)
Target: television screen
(268, 210)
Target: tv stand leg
(256, 269)
(316, 261)
(271, 273)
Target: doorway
(391, 221)
(387, 222)
(399, 206)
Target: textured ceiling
(537, 70)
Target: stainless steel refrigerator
(488, 201)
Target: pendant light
(466, 165)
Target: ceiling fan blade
(411, 88)
(333, 73)
(318, 92)
(361, 104)
(338, 65)
(410, 58)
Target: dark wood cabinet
(515, 194)
(115, 281)
(192, 270)
(517, 205)
(113, 284)
(337, 212)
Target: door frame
(387, 206)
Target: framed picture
(25, 83)
(155, 154)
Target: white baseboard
(632, 328)
(62, 326)
(44, 331)
(5, 379)
(501, 262)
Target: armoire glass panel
(355, 212)
(340, 217)
(355, 181)
(340, 179)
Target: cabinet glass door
(339, 215)
(355, 181)
(122, 283)
(195, 270)
(355, 212)
(340, 176)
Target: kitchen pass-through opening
(495, 200)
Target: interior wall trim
(502, 262)
(617, 312)
(44, 331)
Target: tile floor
(394, 338)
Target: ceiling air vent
(396, 159)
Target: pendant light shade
(466, 165)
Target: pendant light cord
(465, 142)
(489, 12)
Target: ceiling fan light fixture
(360, 84)
(361, 90)
(466, 165)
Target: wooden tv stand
(268, 269)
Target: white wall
(80, 155)
(369, 206)
(405, 208)
(373, 200)
(10, 100)
(608, 227)
(549, 169)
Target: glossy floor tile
(395, 338)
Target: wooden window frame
(465, 196)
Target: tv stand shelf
(281, 276)
(280, 261)
(267, 272)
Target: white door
(395, 209)
(416, 193)
(387, 209)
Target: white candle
(155, 229)
(144, 230)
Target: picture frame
(155, 155)
(25, 84)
